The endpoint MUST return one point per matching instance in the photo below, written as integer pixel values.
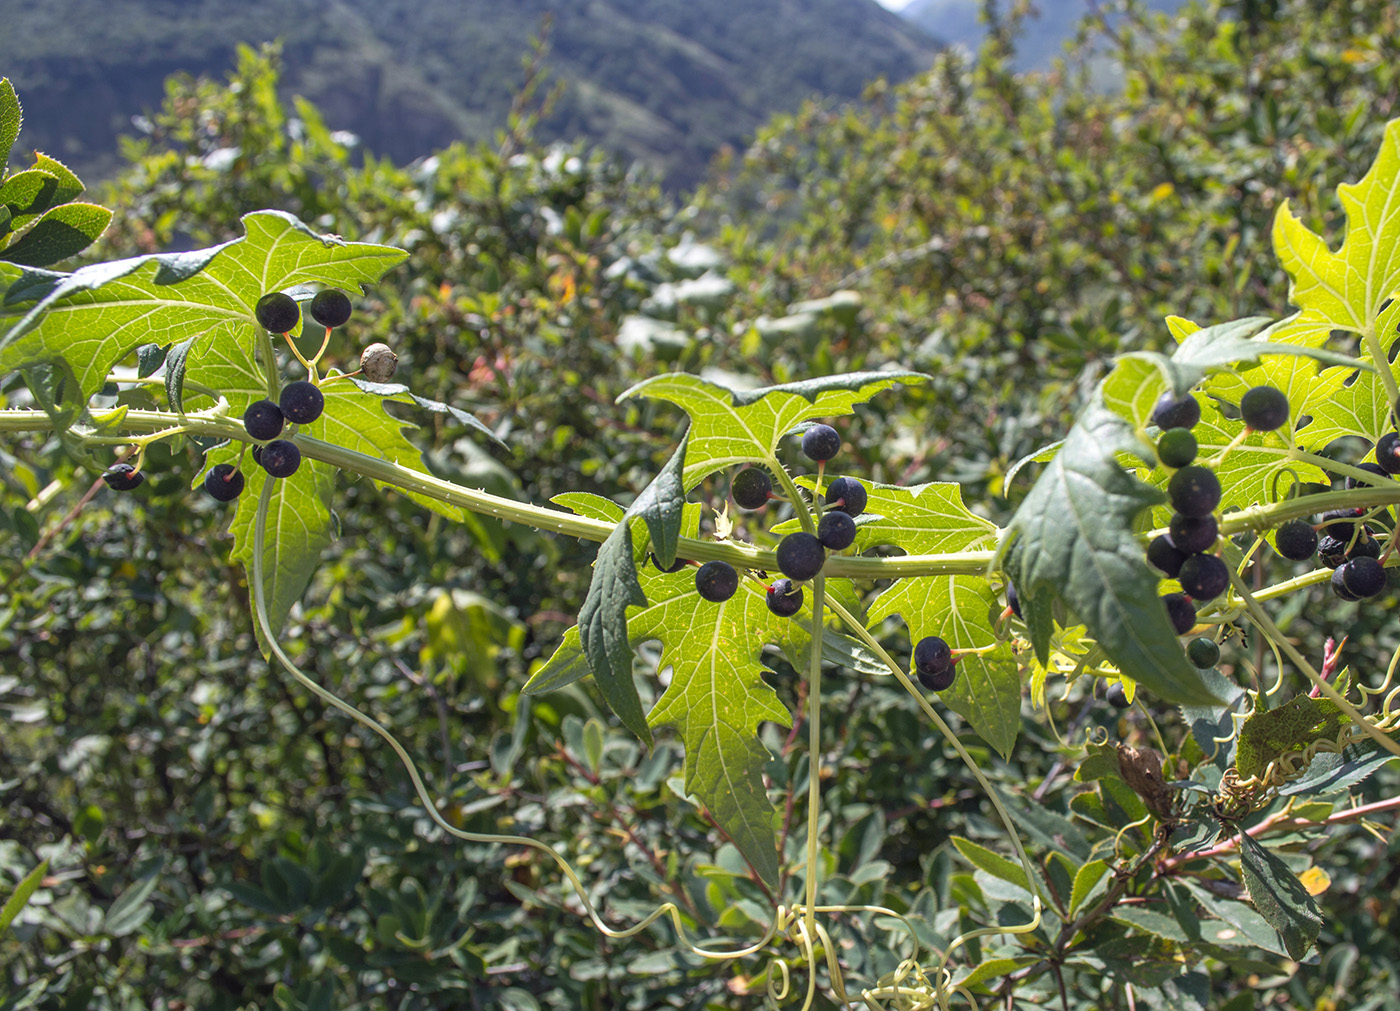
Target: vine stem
(814, 753)
(1262, 619)
(1378, 355)
(1032, 879)
(214, 423)
(667, 909)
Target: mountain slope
(1041, 39)
(667, 81)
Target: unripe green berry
(1176, 447)
(1203, 653)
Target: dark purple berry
(1204, 577)
(1332, 550)
(263, 420)
(331, 307)
(1180, 611)
(1165, 555)
(301, 402)
(931, 655)
(751, 488)
(1388, 452)
(1370, 468)
(277, 312)
(1264, 408)
(836, 531)
(123, 477)
(1340, 522)
(716, 581)
(846, 494)
(1116, 696)
(1296, 540)
(1339, 587)
(941, 681)
(1194, 491)
(281, 458)
(675, 566)
(1193, 534)
(224, 482)
(1013, 601)
(1366, 546)
(800, 556)
(784, 598)
(820, 443)
(1176, 412)
(1364, 577)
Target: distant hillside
(1043, 39)
(667, 81)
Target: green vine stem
(1032, 878)
(215, 423)
(667, 909)
(814, 750)
(268, 354)
(1378, 355)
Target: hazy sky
(894, 5)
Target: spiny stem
(814, 746)
(948, 735)
(269, 356)
(793, 493)
(1382, 362)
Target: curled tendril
(1239, 796)
(908, 988)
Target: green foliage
(41, 221)
(228, 843)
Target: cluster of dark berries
(300, 403)
(1182, 552)
(1352, 552)
(1344, 545)
(278, 312)
(934, 664)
